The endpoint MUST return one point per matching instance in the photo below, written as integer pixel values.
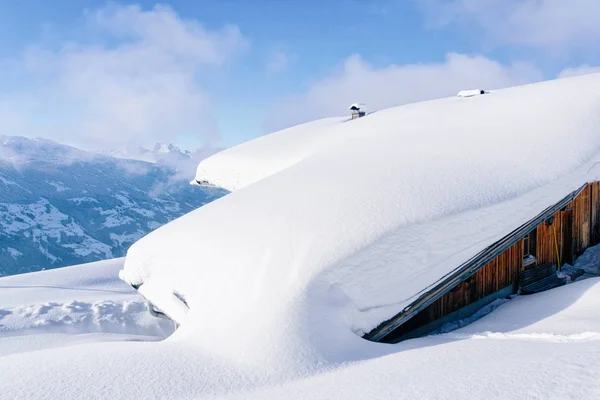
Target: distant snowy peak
(160, 152)
(129, 152)
(19, 150)
(163, 148)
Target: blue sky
(218, 72)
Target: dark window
(529, 244)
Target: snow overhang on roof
(249, 162)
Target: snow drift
(78, 330)
(337, 226)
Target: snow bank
(79, 300)
(323, 244)
(517, 351)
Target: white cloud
(162, 29)
(576, 71)
(278, 61)
(138, 85)
(558, 24)
(357, 81)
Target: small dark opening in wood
(529, 244)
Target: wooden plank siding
(546, 246)
(595, 217)
(503, 271)
(577, 226)
(581, 221)
(566, 251)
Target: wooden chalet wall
(545, 240)
(581, 221)
(503, 271)
(575, 228)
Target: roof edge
(466, 270)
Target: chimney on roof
(358, 110)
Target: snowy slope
(544, 346)
(317, 250)
(62, 206)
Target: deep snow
(338, 225)
(81, 299)
(544, 346)
(321, 241)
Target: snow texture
(86, 298)
(335, 226)
(340, 225)
(164, 300)
(543, 346)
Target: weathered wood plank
(582, 221)
(546, 246)
(532, 275)
(567, 234)
(595, 214)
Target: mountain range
(182, 161)
(62, 206)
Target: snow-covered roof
(471, 93)
(249, 162)
(339, 226)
